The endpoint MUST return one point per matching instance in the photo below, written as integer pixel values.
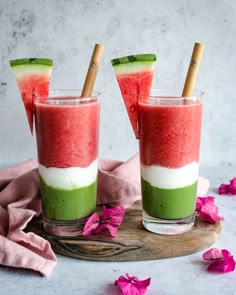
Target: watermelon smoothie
(170, 131)
(67, 132)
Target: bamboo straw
(92, 70)
(193, 69)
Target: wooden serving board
(132, 242)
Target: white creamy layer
(69, 178)
(170, 178)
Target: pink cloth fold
(118, 184)
(19, 203)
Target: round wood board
(132, 242)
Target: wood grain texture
(132, 242)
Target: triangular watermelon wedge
(134, 74)
(33, 78)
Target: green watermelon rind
(133, 58)
(29, 66)
(134, 63)
(31, 61)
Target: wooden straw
(193, 69)
(92, 70)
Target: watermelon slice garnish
(33, 79)
(134, 74)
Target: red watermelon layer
(134, 86)
(30, 86)
(67, 135)
(170, 135)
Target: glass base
(168, 227)
(70, 228)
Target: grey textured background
(66, 31)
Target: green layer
(134, 63)
(31, 66)
(31, 61)
(133, 58)
(168, 203)
(59, 204)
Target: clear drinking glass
(67, 133)
(170, 131)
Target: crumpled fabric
(19, 203)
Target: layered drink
(169, 130)
(67, 130)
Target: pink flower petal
(233, 181)
(223, 189)
(204, 200)
(212, 254)
(131, 285)
(209, 212)
(228, 189)
(232, 186)
(113, 216)
(91, 225)
(207, 209)
(110, 220)
(225, 263)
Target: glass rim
(60, 94)
(172, 94)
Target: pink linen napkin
(19, 203)
(118, 184)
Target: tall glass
(67, 132)
(170, 131)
